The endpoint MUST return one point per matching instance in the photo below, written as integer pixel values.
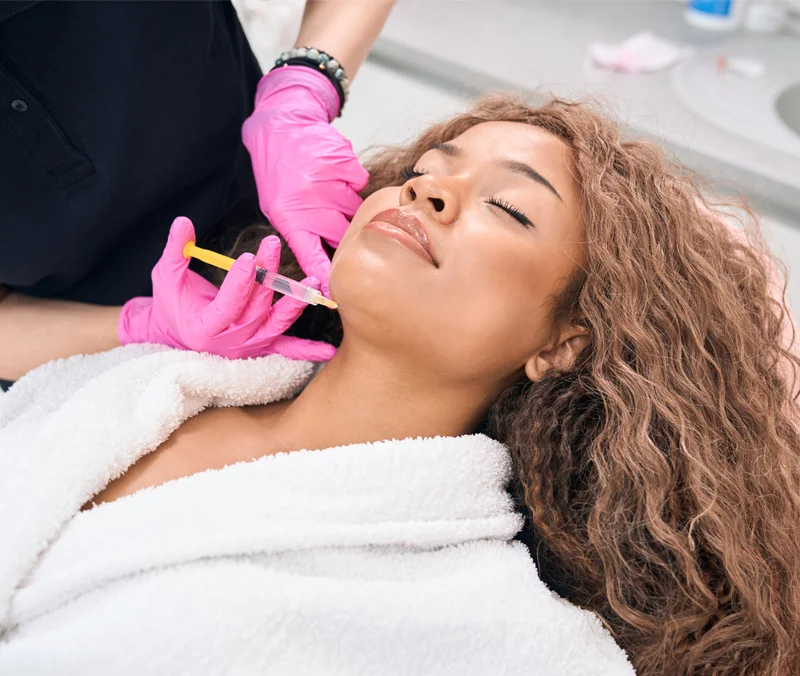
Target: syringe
(272, 280)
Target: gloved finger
(338, 153)
(341, 197)
(181, 231)
(301, 348)
(327, 223)
(136, 321)
(332, 228)
(307, 248)
(268, 257)
(232, 297)
(348, 168)
(285, 311)
(357, 177)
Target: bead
(330, 67)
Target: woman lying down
(528, 304)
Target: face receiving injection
(272, 280)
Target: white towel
(387, 558)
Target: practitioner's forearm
(34, 331)
(345, 29)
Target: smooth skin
(426, 349)
(34, 331)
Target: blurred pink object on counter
(642, 53)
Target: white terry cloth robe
(388, 558)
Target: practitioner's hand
(236, 321)
(307, 174)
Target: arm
(345, 29)
(36, 330)
(308, 175)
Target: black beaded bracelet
(324, 63)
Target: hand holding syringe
(238, 320)
(271, 280)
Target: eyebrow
(529, 172)
(448, 149)
(512, 165)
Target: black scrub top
(115, 118)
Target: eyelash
(409, 173)
(511, 210)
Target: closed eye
(511, 210)
(409, 172)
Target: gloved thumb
(181, 232)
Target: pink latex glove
(236, 321)
(307, 174)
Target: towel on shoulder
(388, 558)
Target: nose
(433, 196)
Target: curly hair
(659, 474)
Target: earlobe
(536, 367)
(561, 357)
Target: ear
(561, 355)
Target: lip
(409, 224)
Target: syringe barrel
(286, 286)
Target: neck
(361, 396)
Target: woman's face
(455, 270)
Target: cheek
(492, 330)
(500, 294)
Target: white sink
(763, 109)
